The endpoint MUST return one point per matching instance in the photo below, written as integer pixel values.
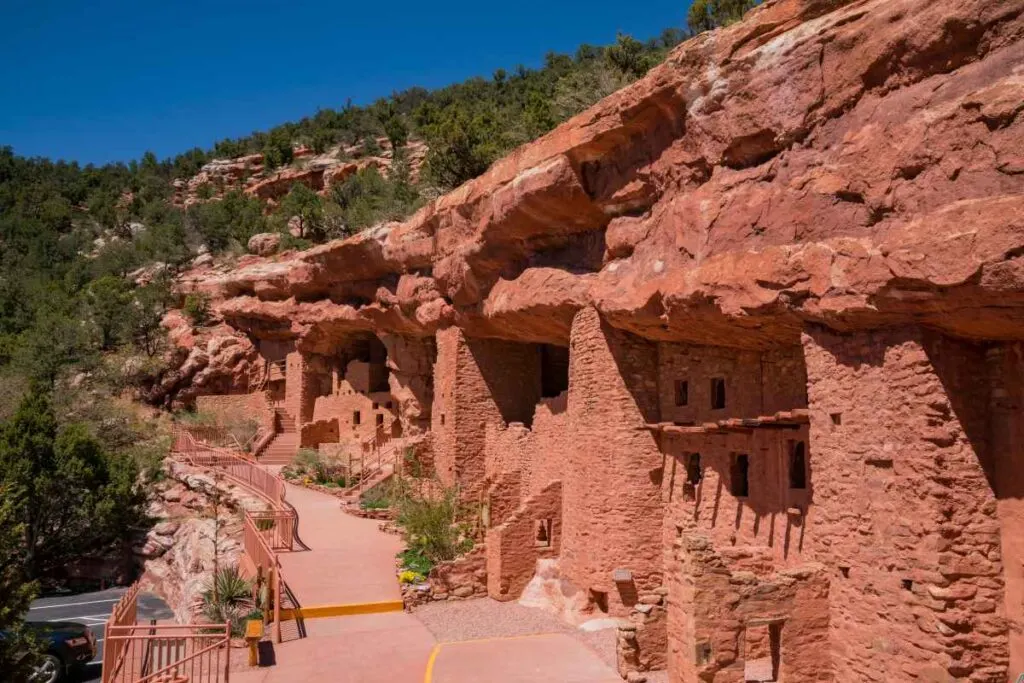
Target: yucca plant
(228, 597)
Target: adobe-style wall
(756, 383)
(904, 514)
(232, 406)
(478, 382)
(726, 602)
(1006, 475)
(530, 533)
(612, 509)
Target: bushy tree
(68, 497)
(17, 647)
(235, 217)
(303, 203)
(277, 150)
(705, 15)
(629, 56)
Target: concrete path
(349, 559)
(372, 648)
(541, 658)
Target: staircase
(283, 449)
(375, 469)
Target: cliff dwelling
(747, 381)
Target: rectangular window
(717, 393)
(682, 392)
(797, 465)
(543, 537)
(738, 475)
(357, 417)
(693, 470)
(380, 420)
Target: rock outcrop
(178, 552)
(853, 164)
(743, 342)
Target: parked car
(68, 645)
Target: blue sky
(104, 81)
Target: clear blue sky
(104, 81)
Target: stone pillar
(612, 489)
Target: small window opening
(682, 392)
(694, 473)
(357, 417)
(600, 600)
(738, 475)
(543, 538)
(388, 405)
(442, 419)
(762, 652)
(837, 418)
(554, 370)
(376, 405)
(797, 465)
(717, 393)
(908, 584)
(703, 654)
(380, 420)
(845, 571)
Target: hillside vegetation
(88, 257)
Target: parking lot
(92, 610)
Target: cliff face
(854, 164)
(717, 337)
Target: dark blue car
(67, 646)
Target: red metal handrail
(166, 653)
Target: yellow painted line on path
(322, 611)
(428, 675)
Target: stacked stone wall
(904, 516)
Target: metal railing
(161, 653)
(242, 470)
(375, 454)
(267, 567)
(169, 653)
(265, 532)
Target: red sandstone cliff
(822, 168)
(851, 163)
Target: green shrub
(197, 308)
(432, 526)
(415, 561)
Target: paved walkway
(349, 559)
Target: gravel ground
(453, 620)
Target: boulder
(265, 243)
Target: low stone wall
(460, 579)
(642, 642)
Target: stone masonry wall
(727, 602)
(514, 546)
(612, 505)
(904, 515)
(233, 406)
(770, 515)
(478, 382)
(1006, 472)
(756, 383)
